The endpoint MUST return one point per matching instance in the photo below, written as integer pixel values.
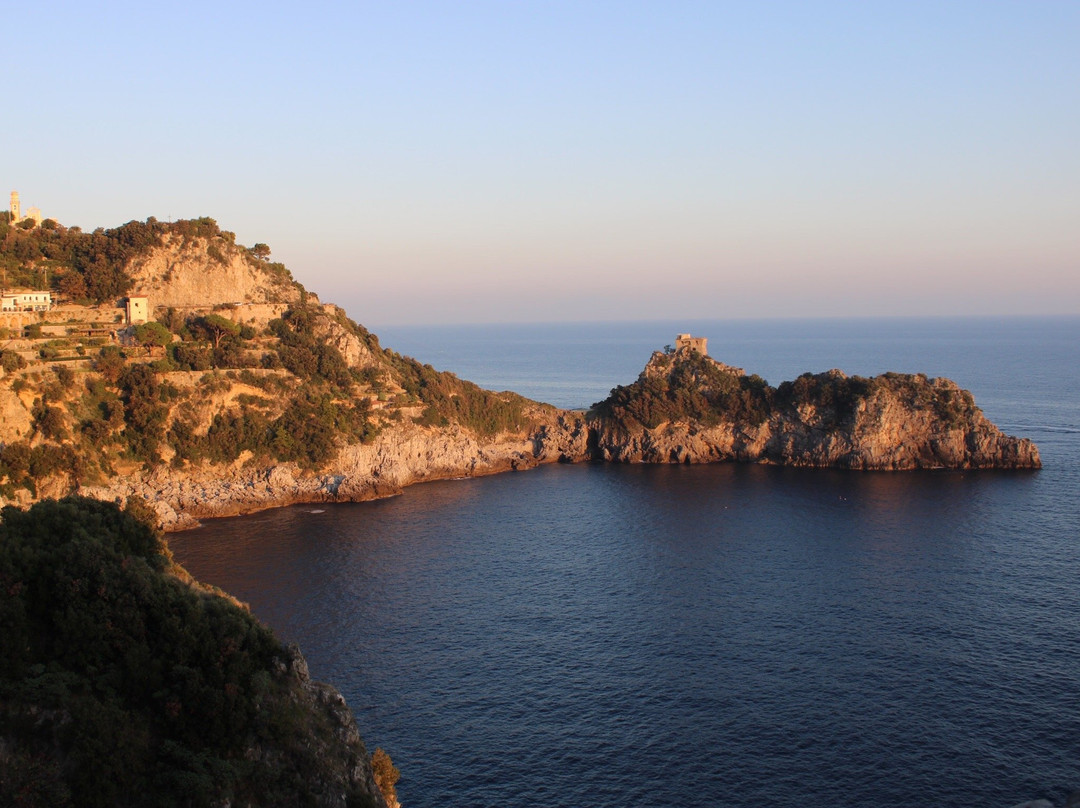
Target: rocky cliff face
(686, 408)
(345, 778)
(200, 272)
(398, 457)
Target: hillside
(243, 391)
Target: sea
(727, 635)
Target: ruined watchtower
(692, 343)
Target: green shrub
(690, 387)
(11, 361)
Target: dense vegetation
(284, 393)
(449, 399)
(92, 267)
(304, 408)
(122, 684)
(691, 387)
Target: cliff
(399, 456)
(192, 273)
(688, 408)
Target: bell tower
(16, 213)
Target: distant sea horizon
(556, 362)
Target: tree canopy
(120, 684)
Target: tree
(152, 335)
(386, 775)
(217, 327)
(110, 363)
(260, 251)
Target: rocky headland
(125, 682)
(688, 408)
(242, 391)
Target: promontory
(165, 361)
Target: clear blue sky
(498, 161)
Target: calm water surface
(699, 636)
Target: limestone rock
(353, 350)
(199, 274)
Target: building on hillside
(26, 301)
(698, 344)
(16, 212)
(138, 310)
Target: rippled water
(724, 635)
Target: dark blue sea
(612, 636)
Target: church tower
(16, 214)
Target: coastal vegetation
(691, 387)
(124, 682)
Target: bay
(722, 635)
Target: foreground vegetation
(124, 683)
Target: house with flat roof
(26, 300)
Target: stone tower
(16, 214)
(689, 343)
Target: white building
(138, 310)
(26, 301)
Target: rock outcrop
(200, 272)
(688, 408)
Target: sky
(483, 161)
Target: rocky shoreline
(890, 427)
